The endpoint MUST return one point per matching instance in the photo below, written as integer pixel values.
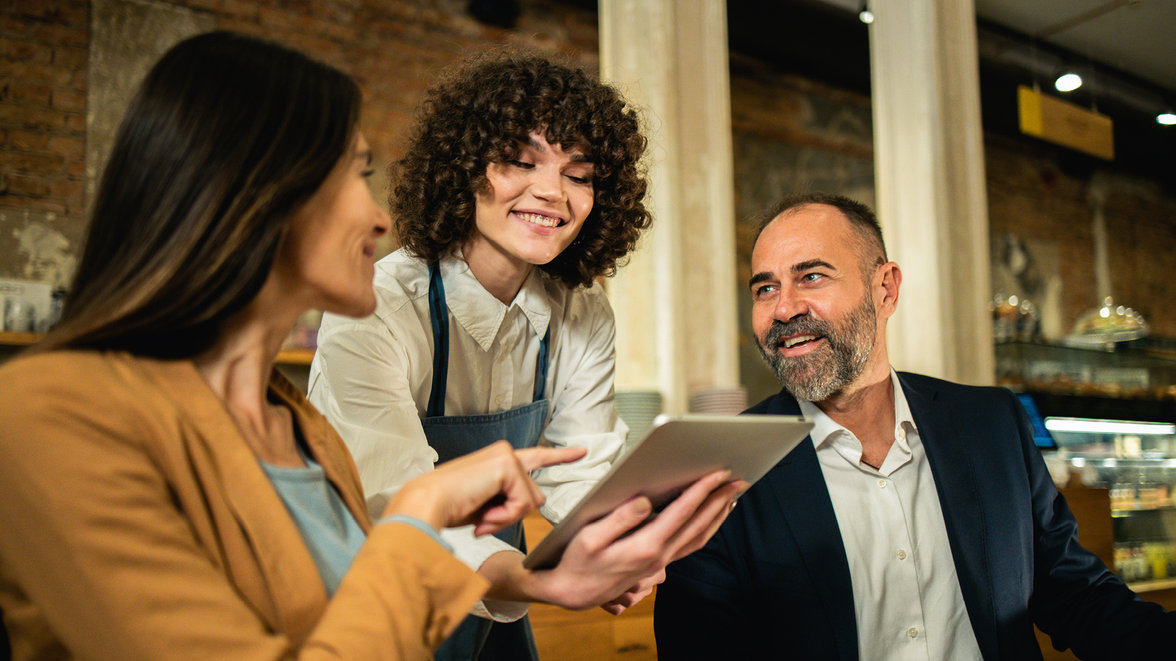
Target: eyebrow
(796, 268)
(575, 157)
(812, 264)
(364, 155)
(758, 278)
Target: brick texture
(790, 133)
(42, 107)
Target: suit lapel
(803, 497)
(960, 498)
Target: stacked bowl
(719, 401)
(638, 408)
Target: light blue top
(327, 526)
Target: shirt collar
(825, 430)
(904, 422)
(482, 315)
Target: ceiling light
(1068, 82)
(1166, 118)
(865, 15)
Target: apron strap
(439, 316)
(541, 366)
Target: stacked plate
(638, 408)
(719, 401)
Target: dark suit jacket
(774, 581)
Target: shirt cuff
(473, 551)
(418, 524)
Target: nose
(383, 222)
(547, 183)
(789, 305)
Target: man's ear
(887, 279)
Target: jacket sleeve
(700, 610)
(94, 541)
(1080, 603)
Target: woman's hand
(605, 566)
(490, 488)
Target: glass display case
(1139, 369)
(1136, 462)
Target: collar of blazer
(265, 557)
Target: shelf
(1152, 586)
(1120, 513)
(1080, 461)
(295, 356)
(1138, 370)
(12, 339)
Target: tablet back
(674, 453)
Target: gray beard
(819, 374)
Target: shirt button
(913, 632)
(498, 400)
(881, 484)
(900, 554)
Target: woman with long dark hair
(520, 187)
(166, 493)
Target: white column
(675, 300)
(929, 174)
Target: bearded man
(918, 523)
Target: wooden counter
(590, 635)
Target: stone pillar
(675, 299)
(929, 175)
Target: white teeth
(538, 219)
(791, 342)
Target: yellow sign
(1065, 124)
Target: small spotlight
(1166, 118)
(1068, 82)
(866, 16)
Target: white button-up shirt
(371, 377)
(906, 593)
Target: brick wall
(42, 106)
(393, 48)
(1031, 193)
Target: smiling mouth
(797, 340)
(539, 219)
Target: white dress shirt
(906, 593)
(371, 378)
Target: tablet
(677, 451)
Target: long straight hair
(226, 138)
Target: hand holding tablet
(673, 456)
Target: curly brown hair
(480, 113)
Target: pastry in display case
(1136, 462)
(1139, 369)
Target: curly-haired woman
(520, 186)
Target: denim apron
(457, 435)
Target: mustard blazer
(135, 523)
